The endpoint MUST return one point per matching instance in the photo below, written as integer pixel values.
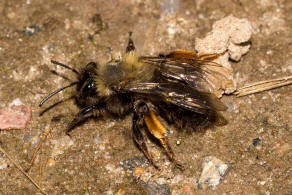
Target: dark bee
(173, 86)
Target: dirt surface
(256, 143)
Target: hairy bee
(172, 86)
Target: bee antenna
(55, 92)
(131, 46)
(65, 66)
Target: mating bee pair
(173, 86)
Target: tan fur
(133, 71)
(136, 69)
(102, 89)
(131, 61)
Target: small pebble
(261, 183)
(3, 163)
(256, 141)
(31, 30)
(152, 187)
(68, 24)
(61, 144)
(213, 172)
(261, 130)
(208, 133)
(51, 47)
(270, 52)
(11, 15)
(187, 190)
(14, 117)
(51, 163)
(230, 106)
(16, 102)
(138, 172)
(132, 163)
(97, 140)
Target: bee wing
(198, 71)
(177, 94)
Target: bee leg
(140, 138)
(131, 46)
(158, 131)
(93, 110)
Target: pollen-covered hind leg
(154, 126)
(140, 139)
(90, 111)
(157, 130)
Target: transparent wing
(198, 71)
(178, 94)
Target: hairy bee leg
(157, 130)
(140, 138)
(93, 110)
(131, 46)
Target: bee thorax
(115, 74)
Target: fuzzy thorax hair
(117, 73)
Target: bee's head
(87, 93)
(86, 89)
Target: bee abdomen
(187, 120)
(99, 111)
(119, 105)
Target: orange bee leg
(158, 131)
(140, 138)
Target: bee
(173, 86)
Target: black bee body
(86, 88)
(173, 86)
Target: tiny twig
(263, 86)
(43, 138)
(40, 171)
(22, 171)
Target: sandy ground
(256, 143)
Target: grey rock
(154, 188)
(213, 172)
(132, 163)
(31, 30)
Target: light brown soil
(91, 162)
